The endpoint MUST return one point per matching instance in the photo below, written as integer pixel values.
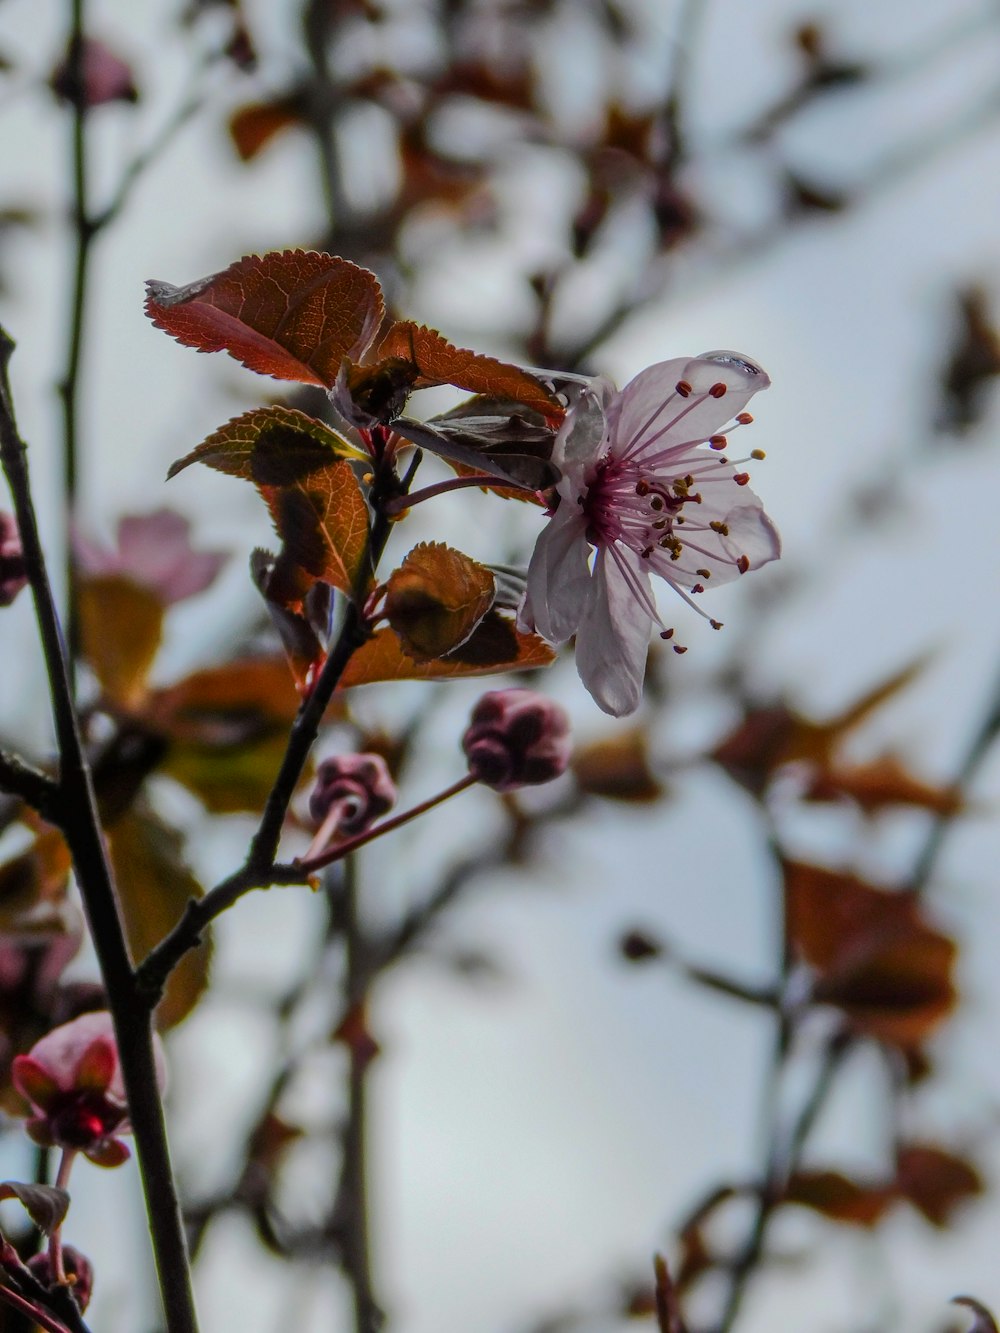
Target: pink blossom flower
(73, 1081)
(641, 490)
(155, 551)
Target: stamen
(704, 573)
(759, 454)
(717, 442)
(721, 528)
(716, 624)
(679, 648)
(744, 418)
(666, 634)
(743, 564)
(718, 390)
(741, 478)
(683, 388)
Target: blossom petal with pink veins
(559, 576)
(649, 408)
(98, 1066)
(613, 639)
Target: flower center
(81, 1120)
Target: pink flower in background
(73, 1081)
(13, 576)
(155, 551)
(641, 490)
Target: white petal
(613, 639)
(751, 533)
(650, 413)
(558, 576)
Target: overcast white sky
(532, 1138)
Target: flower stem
(484, 479)
(343, 849)
(55, 1240)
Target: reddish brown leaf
(617, 768)
(437, 361)
(436, 598)
(154, 885)
(222, 705)
(840, 1198)
(770, 737)
(322, 520)
(270, 446)
(121, 623)
(33, 889)
(878, 960)
(936, 1182)
(294, 314)
(883, 783)
(494, 646)
(253, 126)
(355, 1034)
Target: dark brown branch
(81, 826)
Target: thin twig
(33, 786)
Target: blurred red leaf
(292, 314)
(882, 783)
(936, 1182)
(269, 446)
(839, 1198)
(355, 1034)
(121, 623)
(252, 127)
(767, 738)
(436, 598)
(494, 646)
(33, 888)
(617, 768)
(223, 704)
(878, 960)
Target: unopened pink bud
(12, 572)
(516, 738)
(359, 785)
(76, 1266)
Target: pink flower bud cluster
(73, 1081)
(516, 738)
(358, 785)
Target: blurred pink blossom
(73, 1081)
(154, 550)
(13, 576)
(639, 488)
(105, 77)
